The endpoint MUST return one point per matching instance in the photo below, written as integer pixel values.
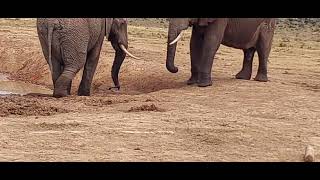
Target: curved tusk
(177, 39)
(127, 52)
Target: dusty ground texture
(156, 116)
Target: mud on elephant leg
(196, 43)
(62, 84)
(89, 70)
(246, 70)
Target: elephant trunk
(171, 50)
(118, 60)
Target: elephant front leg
(246, 70)
(212, 41)
(263, 53)
(263, 48)
(208, 54)
(262, 69)
(196, 43)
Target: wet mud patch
(97, 101)
(146, 107)
(26, 107)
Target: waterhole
(8, 87)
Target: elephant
(69, 44)
(248, 34)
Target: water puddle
(8, 87)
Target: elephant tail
(50, 32)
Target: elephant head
(176, 26)
(118, 37)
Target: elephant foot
(115, 89)
(83, 93)
(192, 81)
(84, 89)
(204, 84)
(261, 77)
(59, 94)
(204, 80)
(244, 75)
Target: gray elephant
(70, 44)
(249, 34)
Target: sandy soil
(156, 116)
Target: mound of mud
(26, 107)
(93, 101)
(146, 107)
(98, 102)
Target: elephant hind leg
(89, 70)
(69, 88)
(246, 70)
(57, 66)
(69, 85)
(73, 48)
(63, 84)
(263, 49)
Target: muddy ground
(156, 116)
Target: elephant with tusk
(69, 44)
(249, 34)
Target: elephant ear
(205, 21)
